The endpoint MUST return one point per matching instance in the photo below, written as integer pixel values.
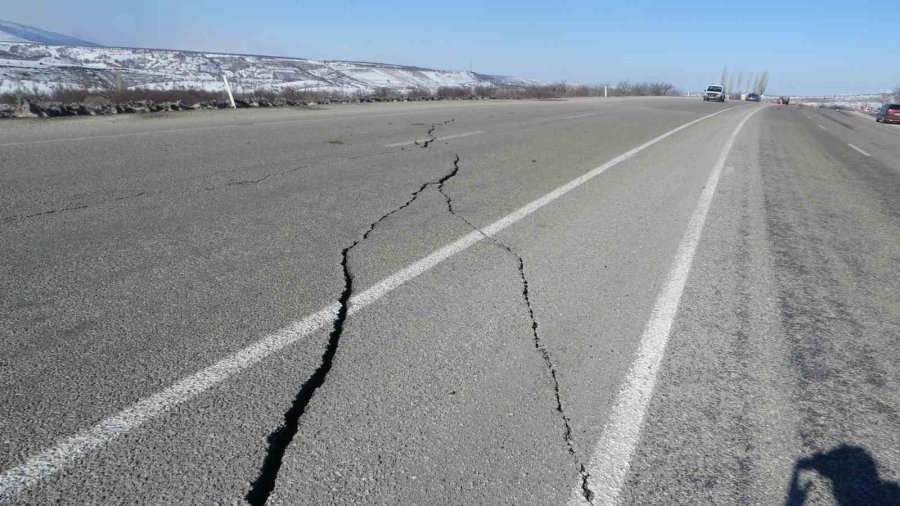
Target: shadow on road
(854, 478)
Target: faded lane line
(581, 115)
(611, 459)
(117, 136)
(436, 139)
(820, 126)
(15, 480)
(856, 148)
(214, 127)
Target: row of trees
(737, 84)
(120, 94)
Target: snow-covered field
(28, 67)
(852, 101)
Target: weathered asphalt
(140, 250)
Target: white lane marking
(445, 138)
(581, 115)
(51, 460)
(611, 459)
(856, 148)
(820, 126)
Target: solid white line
(420, 141)
(611, 459)
(17, 479)
(856, 148)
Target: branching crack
(281, 438)
(538, 343)
(431, 137)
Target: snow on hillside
(15, 32)
(43, 67)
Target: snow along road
(303, 307)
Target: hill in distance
(35, 59)
(16, 32)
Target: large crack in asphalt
(536, 338)
(281, 438)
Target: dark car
(889, 113)
(752, 97)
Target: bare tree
(762, 81)
(731, 87)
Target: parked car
(714, 92)
(752, 97)
(889, 113)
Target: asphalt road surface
(642, 301)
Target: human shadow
(854, 478)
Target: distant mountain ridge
(17, 32)
(29, 66)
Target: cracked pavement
(145, 257)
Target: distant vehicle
(785, 100)
(889, 113)
(752, 97)
(714, 92)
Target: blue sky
(823, 46)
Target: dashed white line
(856, 148)
(444, 138)
(15, 480)
(581, 115)
(611, 459)
(820, 126)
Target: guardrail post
(228, 89)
